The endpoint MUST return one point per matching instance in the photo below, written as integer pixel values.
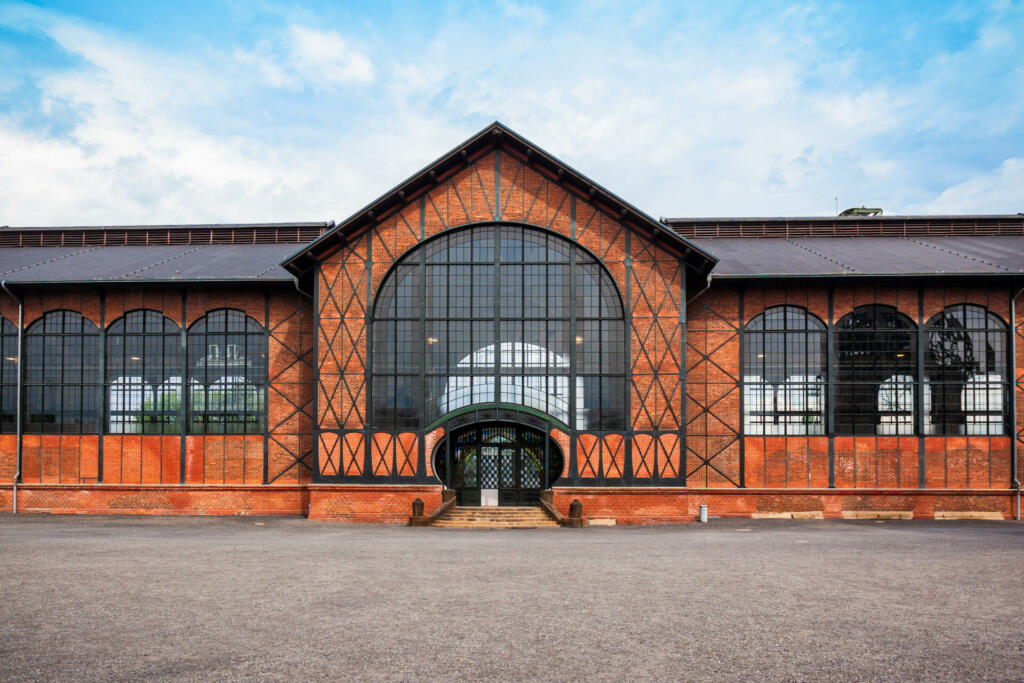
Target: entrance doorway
(498, 464)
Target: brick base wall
(672, 506)
(384, 504)
(380, 504)
(157, 500)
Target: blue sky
(116, 112)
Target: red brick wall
(657, 505)
(138, 499)
(377, 504)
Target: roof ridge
(163, 261)
(957, 253)
(50, 260)
(820, 255)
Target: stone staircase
(495, 518)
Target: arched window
(8, 376)
(966, 366)
(784, 373)
(498, 314)
(62, 375)
(227, 374)
(143, 374)
(876, 377)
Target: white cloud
(326, 55)
(996, 191)
(519, 10)
(285, 127)
(305, 56)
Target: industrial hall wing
(499, 331)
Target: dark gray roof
(738, 257)
(809, 256)
(861, 219)
(249, 263)
(172, 226)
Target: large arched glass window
(8, 376)
(966, 366)
(62, 375)
(784, 372)
(876, 377)
(227, 374)
(498, 314)
(143, 374)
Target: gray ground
(89, 598)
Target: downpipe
(298, 289)
(21, 334)
(706, 287)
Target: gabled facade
(503, 327)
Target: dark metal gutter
(281, 280)
(843, 275)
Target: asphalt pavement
(200, 599)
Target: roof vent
(861, 211)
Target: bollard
(704, 513)
(576, 509)
(417, 508)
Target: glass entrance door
(498, 465)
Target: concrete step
(513, 513)
(495, 518)
(510, 518)
(484, 526)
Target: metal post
(449, 473)
(316, 374)
(368, 362)
(266, 389)
(103, 403)
(574, 473)
(681, 475)
(185, 401)
(920, 425)
(19, 402)
(547, 455)
(627, 340)
(830, 402)
(741, 333)
(1015, 472)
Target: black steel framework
(62, 379)
(966, 367)
(8, 376)
(784, 373)
(227, 374)
(515, 461)
(143, 374)
(510, 315)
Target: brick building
(501, 326)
